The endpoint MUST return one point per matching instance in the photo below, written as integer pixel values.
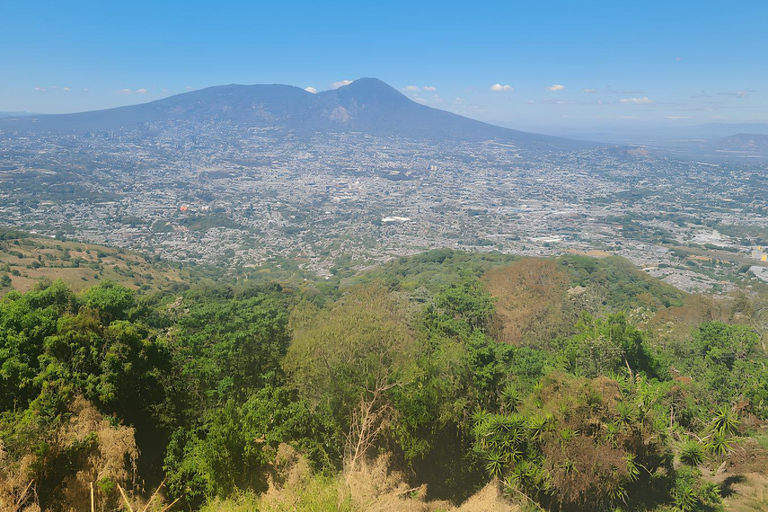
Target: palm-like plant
(692, 453)
(627, 412)
(566, 434)
(529, 478)
(719, 444)
(725, 422)
(495, 463)
(539, 425)
(612, 431)
(685, 498)
(633, 471)
(512, 397)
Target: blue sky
(565, 63)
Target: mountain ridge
(366, 105)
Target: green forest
(442, 381)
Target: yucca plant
(511, 397)
(566, 434)
(529, 478)
(627, 412)
(612, 431)
(719, 444)
(633, 471)
(692, 453)
(685, 498)
(495, 463)
(725, 422)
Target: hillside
(26, 259)
(366, 105)
(442, 381)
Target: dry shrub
(372, 486)
(109, 460)
(530, 300)
(585, 466)
(17, 487)
(293, 486)
(583, 471)
(609, 391)
(488, 499)
(671, 324)
(375, 487)
(86, 449)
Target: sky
(545, 65)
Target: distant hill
(366, 105)
(744, 142)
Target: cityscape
(251, 197)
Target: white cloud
(189, 87)
(411, 88)
(66, 89)
(637, 101)
(141, 91)
(39, 89)
(311, 89)
(556, 87)
(340, 83)
(125, 91)
(678, 117)
(499, 87)
(589, 90)
(85, 89)
(429, 88)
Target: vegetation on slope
(567, 384)
(25, 259)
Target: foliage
(571, 383)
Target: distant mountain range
(15, 114)
(367, 105)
